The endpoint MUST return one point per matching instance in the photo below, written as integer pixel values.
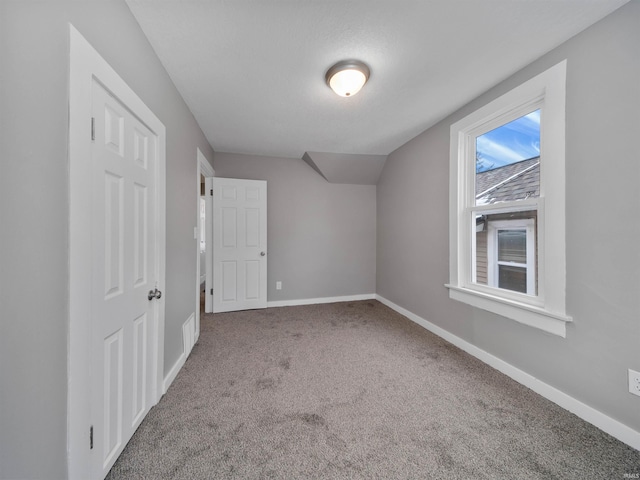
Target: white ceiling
(252, 71)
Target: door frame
(204, 169)
(85, 65)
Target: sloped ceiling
(252, 72)
(346, 168)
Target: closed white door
(124, 162)
(208, 296)
(239, 244)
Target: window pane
(508, 161)
(512, 246)
(512, 278)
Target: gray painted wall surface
(321, 236)
(603, 258)
(34, 189)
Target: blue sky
(510, 143)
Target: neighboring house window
(511, 256)
(507, 205)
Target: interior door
(124, 313)
(239, 244)
(208, 296)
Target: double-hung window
(507, 204)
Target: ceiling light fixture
(347, 77)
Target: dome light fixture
(347, 77)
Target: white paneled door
(124, 280)
(239, 244)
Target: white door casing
(117, 245)
(240, 244)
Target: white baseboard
(173, 373)
(609, 425)
(315, 301)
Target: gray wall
(321, 236)
(34, 189)
(603, 259)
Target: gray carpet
(355, 391)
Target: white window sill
(532, 316)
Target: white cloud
(496, 152)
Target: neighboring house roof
(512, 182)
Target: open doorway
(204, 244)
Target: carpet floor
(355, 391)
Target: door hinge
(93, 128)
(212, 192)
(212, 291)
(91, 438)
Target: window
(507, 198)
(511, 261)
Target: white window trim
(547, 310)
(493, 263)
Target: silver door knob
(262, 254)
(154, 294)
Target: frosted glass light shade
(346, 78)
